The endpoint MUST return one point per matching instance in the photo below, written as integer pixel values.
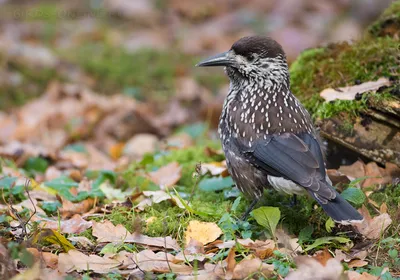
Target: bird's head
(253, 57)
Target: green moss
(148, 71)
(341, 65)
(188, 159)
(34, 83)
(330, 109)
(388, 24)
(346, 128)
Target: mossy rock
(388, 23)
(336, 65)
(369, 125)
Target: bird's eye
(250, 57)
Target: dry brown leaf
(77, 261)
(337, 177)
(49, 259)
(339, 255)
(310, 268)
(179, 141)
(161, 262)
(194, 247)
(323, 256)
(139, 145)
(202, 231)
(383, 208)
(262, 249)
(357, 263)
(157, 197)
(69, 208)
(214, 168)
(372, 228)
(356, 170)
(193, 251)
(230, 263)
(73, 225)
(375, 175)
(116, 150)
(354, 275)
(83, 241)
(107, 232)
(287, 244)
(167, 176)
(243, 269)
(247, 267)
(349, 93)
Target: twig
(196, 175)
(165, 244)
(137, 265)
(26, 185)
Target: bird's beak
(222, 59)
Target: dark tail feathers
(340, 210)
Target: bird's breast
(255, 113)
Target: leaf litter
(75, 145)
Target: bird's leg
(293, 201)
(246, 214)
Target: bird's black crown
(260, 45)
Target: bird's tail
(339, 210)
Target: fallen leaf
(310, 268)
(262, 249)
(116, 150)
(53, 237)
(194, 247)
(373, 228)
(349, 93)
(323, 256)
(354, 275)
(73, 225)
(286, 243)
(339, 255)
(243, 269)
(83, 241)
(383, 208)
(202, 231)
(31, 273)
(214, 168)
(107, 232)
(354, 171)
(166, 176)
(357, 263)
(193, 251)
(69, 208)
(161, 262)
(77, 261)
(157, 197)
(230, 263)
(49, 259)
(114, 194)
(247, 267)
(374, 175)
(139, 145)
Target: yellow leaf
(202, 232)
(53, 237)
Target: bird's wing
(295, 157)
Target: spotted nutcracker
(267, 135)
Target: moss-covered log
(370, 125)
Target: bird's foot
(246, 214)
(293, 202)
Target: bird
(267, 135)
